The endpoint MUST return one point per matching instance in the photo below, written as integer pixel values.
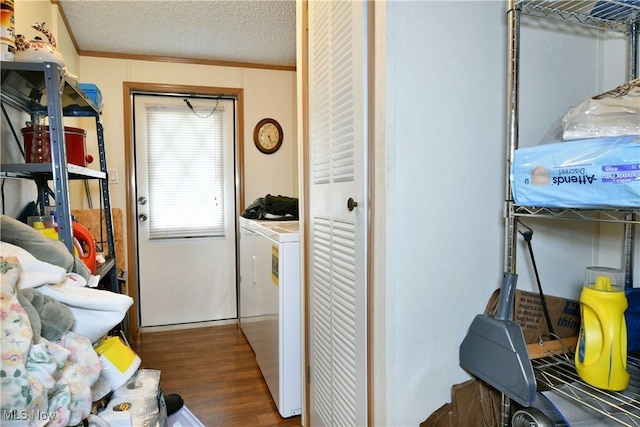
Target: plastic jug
(601, 357)
(85, 249)
(88, 255)
(119, 361)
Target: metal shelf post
(53, 82)
(104, 188)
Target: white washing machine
(270, 306)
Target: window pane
(186, 191)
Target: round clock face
(268, 136)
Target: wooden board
(93, 220)
(537, 350)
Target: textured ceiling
(253, 31)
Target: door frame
(159, 88)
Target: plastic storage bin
(92, 92)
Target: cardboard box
(94, 222)
(528, 312)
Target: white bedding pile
(47, 383)
(95, 311)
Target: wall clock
(268, 136)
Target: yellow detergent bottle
(601, 356)
(51, 233)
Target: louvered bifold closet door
(337, 142)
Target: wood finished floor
(215, 371)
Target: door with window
(185, 208)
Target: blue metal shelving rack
(43, 89)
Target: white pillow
(34, 272)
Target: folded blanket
(49, 318)
(34, 272)
(45, 249)
(95, 311)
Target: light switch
(113, 176)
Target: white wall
(267, 93)
(270, 94)
(445, 104)
(16, 193)
(445, 101)
(29, 12)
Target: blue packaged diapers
(584, 173)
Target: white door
(337, 55)
(185, 221)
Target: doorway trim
(127, 91)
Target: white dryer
(270, 306)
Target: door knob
(142, 217)
(142, 200)
(351, 204)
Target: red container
(75, 140)
(85, 239)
